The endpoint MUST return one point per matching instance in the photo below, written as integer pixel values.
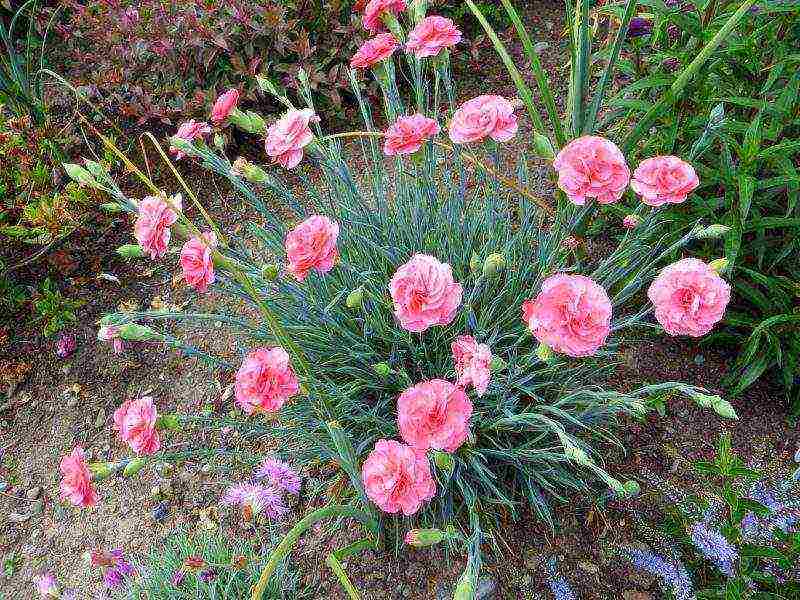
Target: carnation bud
(270, 272)
(194, 562)
(706, 401)
(617, 486)
(355, 299)
(239, 562)
(137, 333)
(183, 145)
(422, 538)
(168, 421)
(493, 265)
(579, 456)
(543, 146)
(544, 353)
(134, 466)
(632, 488)
(724, 409)
(383, 369)
(101, 470)
(719, 265)
(465, 589)
(130, 251)
(475, 263)
(249, 121)
(497, 364)
(219, 142)
(80, 175)
(111, 207)
(712, 232)
(95, 168)
(444, 461)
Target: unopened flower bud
(544, 353)
(711, 232)
(475, 263)
(111, 207)
(465, 589)
(194, 562)
(270, 272)
(383, 369)
(422, 538)
(80, 175)
(444, 461)
(95, 168)
(724, 409)
(355, 299)
(134, 466)
(632, 488)
(497, 364)
(130, 251)
(168, 421)
(577, 454)
(493, 265)
(101, 471)
(543, 146)
(248, 121)
(219, 142)
(239, 561)
(719, 265)
(137, 333)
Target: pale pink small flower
(374, 50)
(46, 586)
(424, 293)
(472, 362)
(482, 117)
(152, 227)
(287, 137)
(434, 414)
(664, 180)
(110, 333)
(265, 381)
(408, 134)
(689, 297)
(397, 478)
(312, 245)
(571, 315)
(374, 11)
(197, 262)
(189, 131)
(224, 105)
(256, 498)
(135, 421)
(592, 167)
(431, 36)
(76, 479)
(631, 221)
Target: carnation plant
(426, 320)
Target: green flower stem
(335, 566)
(291, 538)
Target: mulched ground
(59, 403)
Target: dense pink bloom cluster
(224, 105)
(196, 261)
(287, 137)
(135, 421)
(189, 131)
(76, 479)
(424, 293)
(397, 478)
(408, 134)
(592, 167)
(312, 245)
(265, 381)
(374, 50)
(255, 498)
(473, 363)
(153, 222)
(434, 414)
(664, 180)
(689, 297)
(572, 315)
(431, 36)
(374, 11)
(482, 117)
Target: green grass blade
(672, 94)
(580, 66)
(522, 87)
(538, 73)
(597, 101)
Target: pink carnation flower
(374, 11)
(287, 137)
(397, 477)
(196, 261)
(434, 414)
(189, 131)
(664, 180)
(689, 297)
(265, 381)
(472, 361)
(312, 245)
(592, 167)
(374, 50)
(76, 480)
(482, 117)
(154, 219)
(135, 421)
(431, 36)
(224, 105)
(572, 315)
(408, 134)
(424, 293)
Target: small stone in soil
(19, 517)
(699, 359)
(33, 493)
(161, 511)
(100, 418)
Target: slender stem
(335, 566)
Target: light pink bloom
(434, 414)
(76, 480)
(472, 361)
(152, 225)
(689, 297)
(189, 131)
(592, 167)
(664, 180)
(631, 221)
(265, 381)
(431, 36)
(408, 134)
(424, 293)
(196, 261)
(110, 333)
(482, 117)
(224, 105)
(46, 586)
(397, 477)
(287, 137)
(571, 315)
(312, 245)
(376, 9)
(374, 50)
(135, 421)
(256, 498)
(279, 474)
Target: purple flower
(558, 585)
(672, 574)
(639, 27)
(66, 345)
(256, 498)
(713, 545)
(46, 585)
(178, 578)
(117, 573)
(208, 575)
(279, 475)
(671, 64)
